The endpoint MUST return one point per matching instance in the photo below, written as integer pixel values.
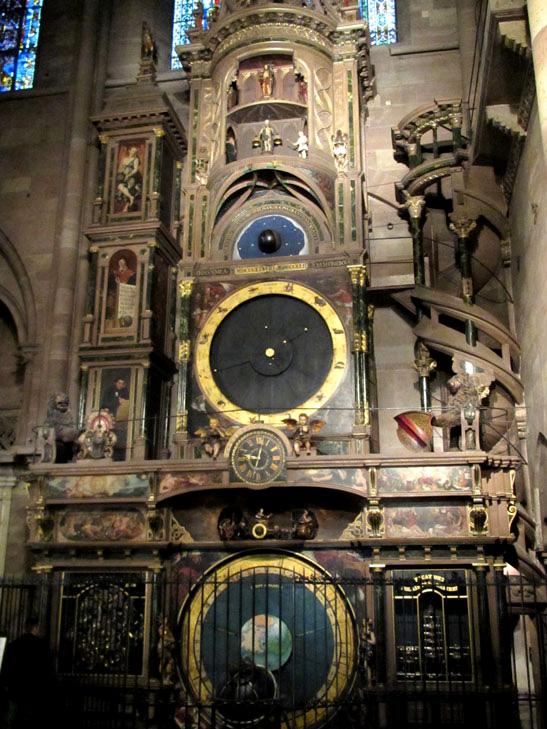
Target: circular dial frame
(257, 358)
(311, 657)
(258, 456)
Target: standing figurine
(266, 78)
(230, 147)
(233, 93)
(149, 49)
(267, 138)
(301, 145)
(212, 436)
(340, 150)
(301, 86)
(302, 432)
(198, 14)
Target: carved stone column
(463, 227)
(7, 484)
(537, 15)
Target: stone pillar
(7, 484)
(463, 227)
(537, 15)
(67, 248)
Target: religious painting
(175, 482)
(426, 521)
(205, 298)
(129, 172)
(425, 478)
(116, 398)
(121, 296)
(353, 477)
(102, 525)
(130, 485)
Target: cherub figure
(213, 435)
(302, 430)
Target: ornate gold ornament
(185, 287)
(184, 351)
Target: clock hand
(235, 364)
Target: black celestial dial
(269, 349)
(271, 353)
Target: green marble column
(359, 343)
(185, 291)
(463, 227)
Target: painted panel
(424, 479)
(101, 525)
(133, 485)
(426, 521)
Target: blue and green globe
(266, 641)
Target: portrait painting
(116, 398)
(128, 177)
(121, 296)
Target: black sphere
(269, 241)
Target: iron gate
(259, 644)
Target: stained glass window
(382, 21)
(182, 20)
(19, 29)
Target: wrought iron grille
(262, 643)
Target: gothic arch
(20, 299)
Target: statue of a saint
(266, 78)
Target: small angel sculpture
(212, 436)
(301, 432)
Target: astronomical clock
(277, 563)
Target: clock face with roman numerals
(258, 457)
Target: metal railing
(265, 646)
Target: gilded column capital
(423, 364)
(158, 132)
(415, 205)
(103, 138)
(462, 226)
(185, 287)
(358, 274)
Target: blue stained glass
(19, 31)
(182, 20)
(382, 21)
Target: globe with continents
(266, 641)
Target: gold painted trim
(252, 291)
